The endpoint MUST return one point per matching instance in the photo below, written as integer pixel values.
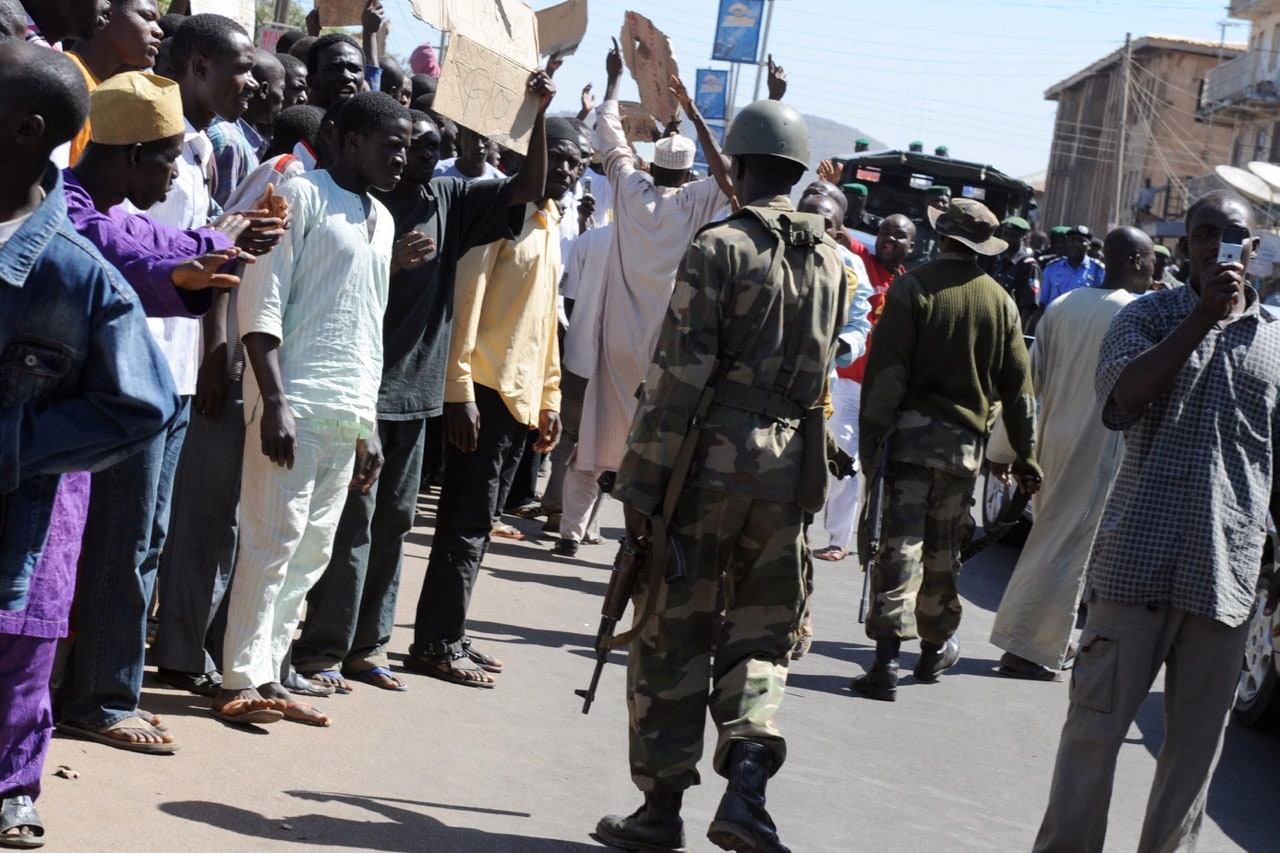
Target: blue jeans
(125, 532)
(351, 610)
(196, 564)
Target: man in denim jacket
(81, 385)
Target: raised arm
(716, 160)
(371, 22)
(530, 184)
(777, 81)
(1153, 373)
(613, 71)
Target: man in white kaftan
(1080, 458)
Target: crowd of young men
(241, 292)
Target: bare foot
(332, 678)
(252, 700)
(275, 693)
(135, 729)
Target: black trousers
(475, 486)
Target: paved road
(961, 765)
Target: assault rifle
(622, 581)
(875, 517)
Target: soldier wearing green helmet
(715, 476)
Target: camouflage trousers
(914, 574)
(718, 639)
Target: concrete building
(1163, 145)
(1244, 93)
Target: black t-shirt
(415, 332)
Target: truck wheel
(995, 497)
(1257, 695)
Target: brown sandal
(452, 667)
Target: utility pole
(282, 10)
(1124, 127)
(762, 58)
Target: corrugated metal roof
(1203, 47)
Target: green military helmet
(769, 127)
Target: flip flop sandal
(378, 677)
(300, 685)
(486, 662)
(329, 678)
(506, 531)
(19, 812)
(153, 719)
(246, 716)
(301, 712)
(442, 667)
(831, 553)
(130, 723)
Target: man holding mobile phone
(1192, 376)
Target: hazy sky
(970, 75)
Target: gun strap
(791, 229)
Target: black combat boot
(881, 681)
(655, 826)
(935, 660)
(741, 823)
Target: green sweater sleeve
(1017, 396)
(884, 383)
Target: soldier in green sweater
(947, 348)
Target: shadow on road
(1237, 795)
(577, 584)
(984, 577)
(404, 829)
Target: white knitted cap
(674, 152)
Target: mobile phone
(1232, 246)
(586, 185)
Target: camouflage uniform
(737, 520)
(926, 521)
(948, 345)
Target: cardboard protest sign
(507, 27)
(561, 27)
(242, 12)
(637, 124)
(486, 92)
(432, 13)
(649, 55)
(340, 13)
(269, 35)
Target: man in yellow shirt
(503, 379)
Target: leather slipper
(486, 662)
(241, 712)
(1040, 673)
(200, 683)
(831, 553)
(448, 668)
